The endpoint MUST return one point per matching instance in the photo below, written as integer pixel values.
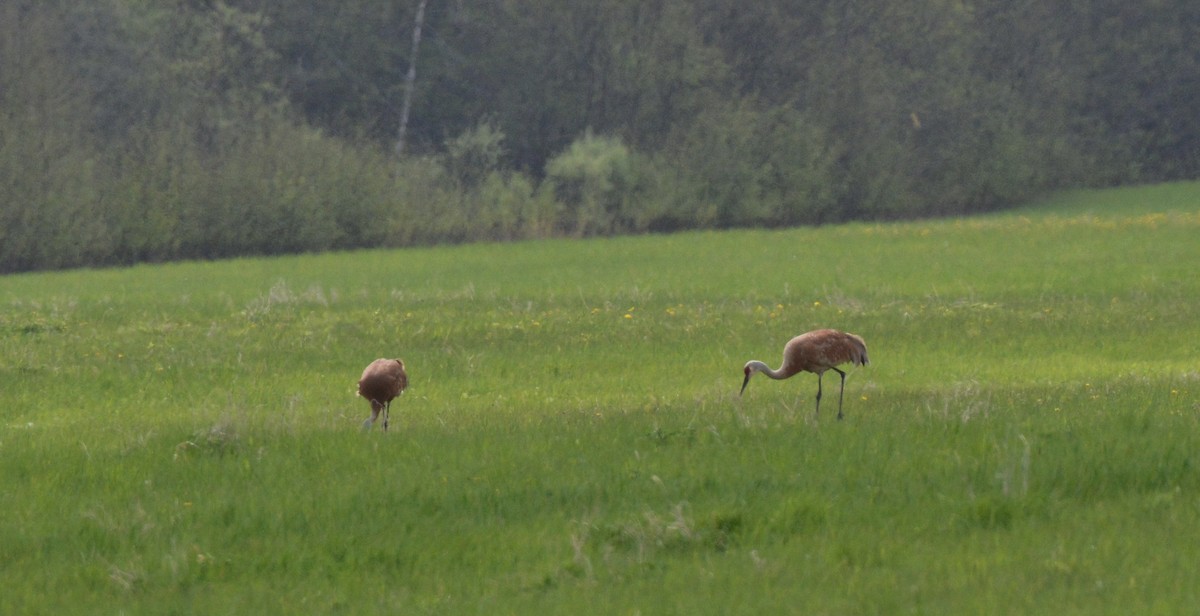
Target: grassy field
(185, 438)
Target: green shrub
(742, 166)
(598, 181)
(471, 157)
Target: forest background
(144, 131)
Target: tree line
(137, 130)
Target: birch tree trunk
(410, 79)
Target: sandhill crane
(382, 381)
(816, 352)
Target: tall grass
(184, 438)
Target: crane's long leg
(842, 392)
(387, 409)
(819, 374)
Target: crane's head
(750, 369)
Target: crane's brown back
(822, 349)
(382, 381)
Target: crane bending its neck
(753, 366)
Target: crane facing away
(816, 352)
(381, 382)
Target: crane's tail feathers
(861, 360)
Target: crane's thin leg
(841, 393)
(819, 374)
(387, 409)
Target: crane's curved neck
(763, 368)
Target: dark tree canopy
(143, 131)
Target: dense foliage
(145, 131)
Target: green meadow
(184, 438)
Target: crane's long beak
(744, 384)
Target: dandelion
(628, 316)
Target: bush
(741, 165)
(473, 156)
(599, 183)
